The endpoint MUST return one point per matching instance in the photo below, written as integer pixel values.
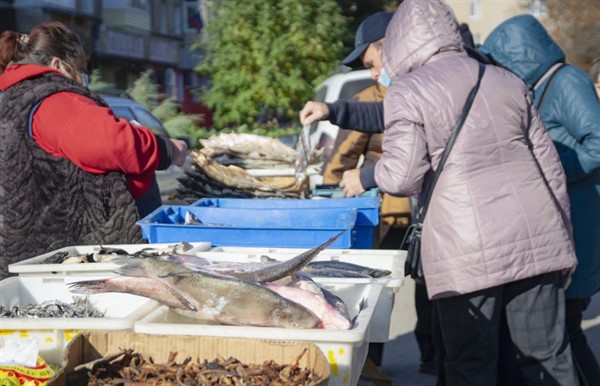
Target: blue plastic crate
(321, 191)
(367, 218)
(284, 227)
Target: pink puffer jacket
(499, 212)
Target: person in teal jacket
(570, 110)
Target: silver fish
(257, 272)
(223, 299)
(80, 308)
(314, 267)
(303, 290)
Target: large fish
(256, 272)
(223, 299)
(322, 268)
(330, 309)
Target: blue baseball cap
(370, 30)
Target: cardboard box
(89, 346)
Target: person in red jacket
(70, 169)
(133, 150)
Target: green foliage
(145, 91)
(359, 10)
(265, 58)
(177, 123)
(97, 83)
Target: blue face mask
(384, 78)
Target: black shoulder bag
(412, 239)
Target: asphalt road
(401, 355)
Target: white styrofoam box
(392, 260)
(53, 334)
(346, 350)
(34, 266)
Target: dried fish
(247, 146)
(131, 368)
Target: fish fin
(267, 259)
(89, 287)
(132, 267)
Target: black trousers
(583, 356)
(424, 326)
(534, 311)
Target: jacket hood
(522, 45)
(17, 72)
(419, 30)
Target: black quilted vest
(48, 202)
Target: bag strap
(541, 102)
(452, 140)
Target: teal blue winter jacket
(570, 111)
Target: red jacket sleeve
(74, 127)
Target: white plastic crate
(391, 260)
(346, 350)
(34, 266)
(53, 334)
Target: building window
(170, 83)
(192, 16)
(476, 9)
(538, 8)
(179, 15)
(163, 13)
(139, 4)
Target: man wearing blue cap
(350, 144)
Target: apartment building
(125, 37)
(483, 16)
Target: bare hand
(351, 183)
(180, 149)
(313, 112)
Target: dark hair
(44, 42)
(595, 70)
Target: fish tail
(89, 287)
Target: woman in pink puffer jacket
(497, 234)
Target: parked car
(336, 87)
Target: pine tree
(177, 123)
(265, 58)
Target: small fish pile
(131, 368)
(232, 294)
(80, 308)
(106, 254)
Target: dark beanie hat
(370, 30)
